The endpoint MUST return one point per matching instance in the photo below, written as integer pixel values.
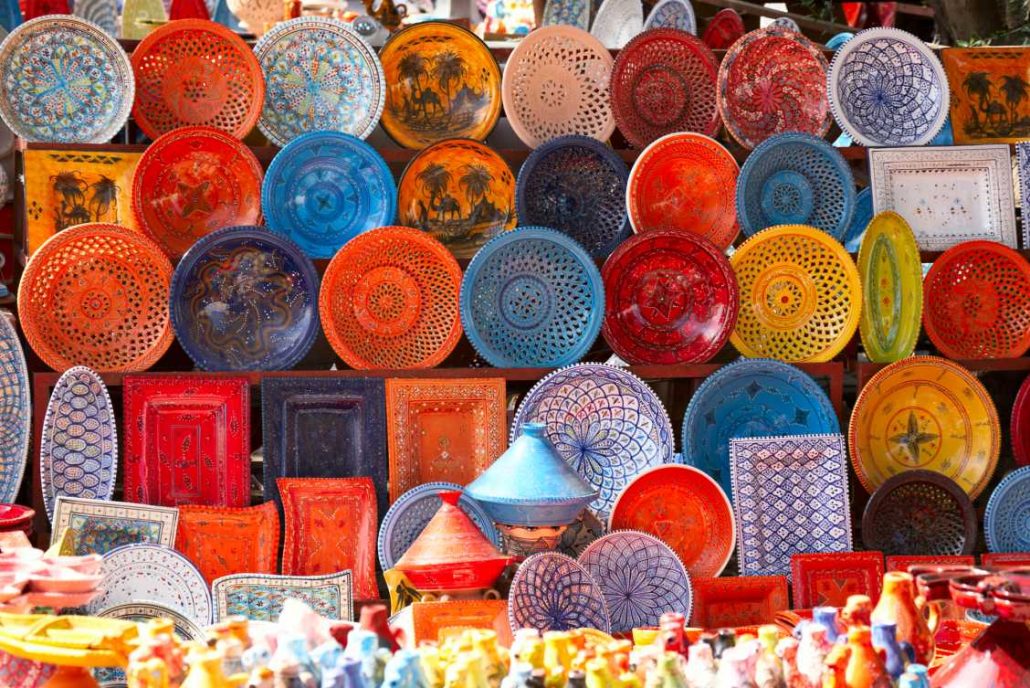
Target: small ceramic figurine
(812, 653)
(827, 618)
(787, 651)
(885, 639)
(737, 667)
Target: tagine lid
(449, 538)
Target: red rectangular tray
(820, 580)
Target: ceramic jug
(898, 605)
(885, 639)
(865, 667)
(812, 652)
(827, 618)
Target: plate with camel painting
(990, 96)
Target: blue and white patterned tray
(15, 412)
(552, 592)
(672, 14)
(261, 597)
(1007, 518)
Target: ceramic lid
(450, 537)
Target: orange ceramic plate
(222, 541)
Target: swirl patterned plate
(320, 75)
(325, 188)
(389, 300)
(670, 298)
(672, 14)
(604, 421)
(1007, 519)
(928, 413)
(577, 185)
(617, 21)
(640, 576)
(63, 80)
(773, 81)
(532, 298)
(1020, 425)
(552, 592)
(244, 298)
(15, 412)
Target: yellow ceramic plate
(892, 288)
(800, 295)
(929, 413)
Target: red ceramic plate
(976, 302)
(192, 181)
(688, 182)
(1020, 426)
(224, 541)
(725, 28)
(15, 516)
(827, 580)
(901, 562)
(670, 297)
(737, 601)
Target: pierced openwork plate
(672, 14)
(1007, 519)
(617, 21)
(802, 295)
(552, 592)
(15, 412)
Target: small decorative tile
(827, 580)
(261, 598)
(738, 601)
(223, 541)
(99, 527)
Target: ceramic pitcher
(898, 605)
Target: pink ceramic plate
(60, 580)
(87, 565)
(57, 600)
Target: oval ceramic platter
(1007, 519)
(892, 286)
(552, 592)
(15, 412)
(78, 454)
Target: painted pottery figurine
(865, 667)
(787, 651)
(768, 669)
(857, 611)
(700, 669)
(737, 667)
(812, 653)
(885, 639)
(836, 667)
(827, 618)
(898, 605)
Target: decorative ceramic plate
(192, 181)
(100, 527)
(325, 188)
(751, 398)
(410, 513)
(320, 75)
(928, 413)
(556, 84)
(194, 72)
(984, 75)
(887, 88)
(672, 14)
(670, 298)
(723, 30)
(604, 421)
(685, 181)
(142, 611)
(442, 83)
(663, 82)
(738, 601)
(97, 295)
(389, 300)
(795, 179)
(261, 598)
(902, 562)
(552, 592)
(15, 412)
(568, 13)
(532, 298)
(223, 541)
(640, 576)
(1007, 519)
(617, 21)
(803, 293)
(827, 580)
(1020, 425)
(686, 509)
(244, 298)
(773, 81)
(861, 218)
(133, 573)
(577, 185)
(78, 453)
(892, 289)
(459, 191)
(103, 13)
(977, 298)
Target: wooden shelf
(866, 369)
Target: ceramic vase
(885, 639)
(898, 605)
(865, 668)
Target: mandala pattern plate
(100, 527)
(1019, 426)
(640, 577)
(686, 509)
(1007, 519)
(791, 495)
(795, 179)
(389, 300)
(605, 422)
(64, 80)
(686, 182)
(577, 185)
(325, 188)
(261, 598)
(663, 82)
(442, 83)
(551, 592)
(97, 295)
(222, 541)
(617, 21)
(927, 413)
(751, 398)
(859, 221)
(192, 181)
(723, 30)
(459, 191)
(556, 84)
(567, 12)
(984, 80)
(738, 601)
(672, 14)
(244, 298)
(977, 302)
(532, 298)
(15, 412)
(320, 75)
(887, 88)
(892, 289)
(827, 580)
(78, 454)
(773, 81)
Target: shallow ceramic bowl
(87, 565)
(59, 600)
(21, 554)
(63, 581)
(11, 587)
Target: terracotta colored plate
(97, 295)
(826, 580)
(724, 29)
(196, 72)
(389, 299)
(1020, 425)
(192, 181)
(685, 181)
(738, 601)
(977, 302)
(994, 68)
(684, 508)
(670, 297)
(929, 413)
(663, 82)
(442, 83)
(223, 541)
(901, 562)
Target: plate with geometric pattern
(15, 412)
(1007, 519)
(552, 592)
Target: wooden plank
(829, 28)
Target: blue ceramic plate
(577, 185)
(551, 592)
(567, 12)
(672, 14)
(15, 412)
(325, 188)
(1007, 519)
(245, 298)
(795, 179)
(532, 298)
(859, 220)
(753, 397)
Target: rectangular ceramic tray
(101, 526)
(1023, 169)
(261, 597)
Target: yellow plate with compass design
(892, 289)
(928, 413)
(800, 295)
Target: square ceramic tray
(102, 526)
(261, 597)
